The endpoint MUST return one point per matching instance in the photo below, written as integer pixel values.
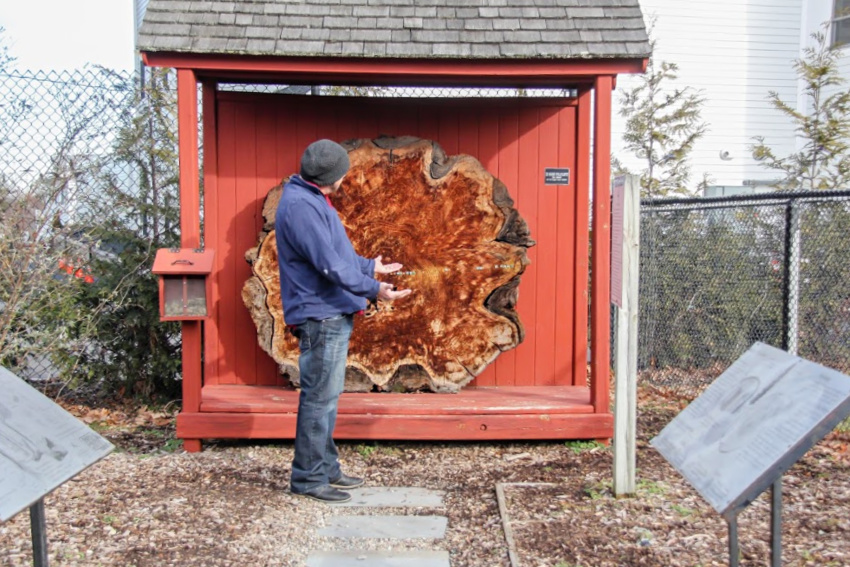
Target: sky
(67, 34)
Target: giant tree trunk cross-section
(463, 246)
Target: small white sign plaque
(754, 421)
(41, 445)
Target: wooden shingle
(460, 29)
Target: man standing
(323, 283)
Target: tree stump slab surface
(463, 247)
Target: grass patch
(366, 451)
(172, 445)
(578, 446)
(650, 487)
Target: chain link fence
(79, 158)
(90, 149)
(719, 274)
(57, 136)
(88, 167)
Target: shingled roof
(459, 29)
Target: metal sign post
(38, 526)
(775, 530)
(755, 421)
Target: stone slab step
(395, 497)
(394, 527)
(355, 558)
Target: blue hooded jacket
(321, 276)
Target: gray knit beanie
(324, 162)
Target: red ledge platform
(500, 413)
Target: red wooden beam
(582, 238)
(404, 427)
(190, 233)
(501, 400)
(536, 412)
(397, 71)
(600, 322)
(211, 226)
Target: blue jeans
(324, 350)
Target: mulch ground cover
(151, 504)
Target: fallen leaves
(230, 505)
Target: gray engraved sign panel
(41, 445)
(752, 424)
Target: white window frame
(836, 17)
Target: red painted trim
(526, 203)
(379, 71)
(187, 128)
(404, 427)
(600, 321)
(211, 228)
(582, 238)
(564, 313)
(263, 412)
(430, 104)
(498, 400)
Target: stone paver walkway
(385, 526)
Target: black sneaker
(327, 494)
(345, 481)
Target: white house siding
(734, 52)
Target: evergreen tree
(128, 349)
(662, 125)
(52, 143)
(823, 160)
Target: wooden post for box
(184, 283)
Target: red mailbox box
(184, 283)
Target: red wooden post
(583, 126)
(211, 335)
(190, 233)
(600, 323)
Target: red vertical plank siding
(244, 236)
(260, 141)
(367, 124)
(469, 133)
(474, 126)
(428, 127)
(347, 130)
(547, 249)
(305, 130)
(388, 123)
(565, 262)
(529, 181)
(226, 251)
(448, 135)
(600, 282)
(488, 141)
(190, 232)
(211, 230)
(326, 126)
(267, 177)
(407, 123)
(582, 207)
(508, 172)
(286, 150)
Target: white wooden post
(625, 345)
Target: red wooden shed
(544, 389)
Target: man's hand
(381, 268)
(386, 293)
